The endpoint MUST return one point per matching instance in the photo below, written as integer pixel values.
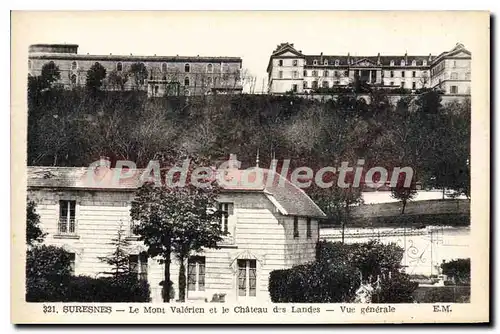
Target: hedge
(373, 259)
(48, 279)
(443, 294)
(314, 283)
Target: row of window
(337, 62)
(247, 276)
(247, 272)
(119, 66)
(67, 214)
(326, 84)
(314, 73)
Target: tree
(458, 270)
(337, 202)
(34, 233)
(403, 193)
(177, 220)
(50, 73)
(48, 271)
(118, 260)
(139, 73)
(95, 77)
(117, 80)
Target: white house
(271, 227)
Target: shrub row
(442, 294)
(314, 283)
(48, 279)
(88, 289)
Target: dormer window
(325, 62)
(414, 63)
(337, 62)
(392, 62)
(402, 63)
(315, 62)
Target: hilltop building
(290, 70)
(175, 75)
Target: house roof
(133, 58)
(288, 199)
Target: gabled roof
(459, 48)
(288, 199)
(281, 50)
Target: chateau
(290, 70)
(174, 75)
(274, 226)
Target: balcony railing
(66, 226)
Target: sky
(249, 35)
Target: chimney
(233, 162)
(274, 165)
(104, 161)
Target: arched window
(187, 68)
(337, 62)
(325, 73)
(164, 67)
(186, 81)
(73, 79)
(187, 92)
(424, 62)
(210, 81)
(402, 63)
(119, 67)
(325, 62)
(392, 62)
(315, 62)
(210, 68)
(454, 76)
(74, 66)
(97, 63)
(29, 64)
(414, 63)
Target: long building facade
(290, 70)
(172, 75)
(270, 226)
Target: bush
(107, 289)
(458, 270)
(48, 279)
(373, 258)
(314, 283)
(398, 289)
(47, 273)
(443, 294)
